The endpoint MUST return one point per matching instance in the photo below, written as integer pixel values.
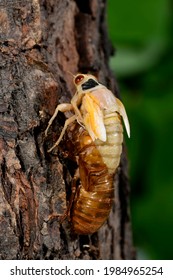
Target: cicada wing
(121, 110)
(93, 118)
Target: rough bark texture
(40, 41)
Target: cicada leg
(64, 107)
(75, 103)
(67, 122)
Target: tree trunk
(40, 42)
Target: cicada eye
(78, 79)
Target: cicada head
(85, 82)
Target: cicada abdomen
(97, 136)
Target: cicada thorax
(97, 161)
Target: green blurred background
(142, 33)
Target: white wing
(106, 100)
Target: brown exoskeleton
(97, 134)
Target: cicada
(96, 131)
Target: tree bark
(40, 42)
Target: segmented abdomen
(111, 149)
(98, 162)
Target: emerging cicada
(97, 134)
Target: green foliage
(141, 31)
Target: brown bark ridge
(40, 41)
